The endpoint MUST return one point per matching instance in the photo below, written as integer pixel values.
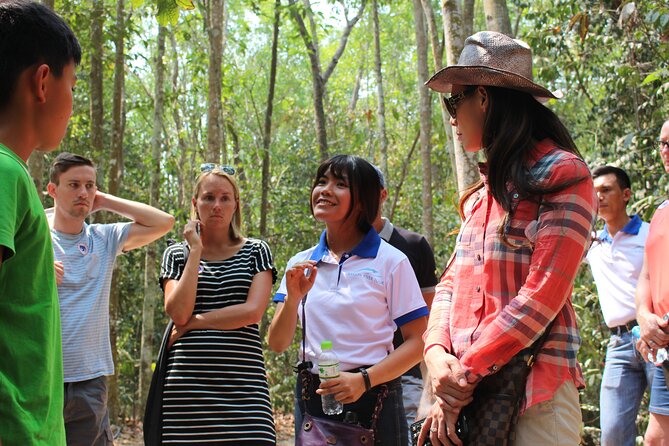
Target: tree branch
(312, 49)
(343, 40)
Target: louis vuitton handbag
(490, 419)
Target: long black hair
(514, 123)
(363, 181)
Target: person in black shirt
(416, 247)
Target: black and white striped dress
(215, 387)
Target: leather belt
(625, 328)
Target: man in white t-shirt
(615, 258)
(84, 262)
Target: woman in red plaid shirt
(525, 228)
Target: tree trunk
(215, 104)
(438, 56)
(96, 91)
(403, 175)
(118, 103)
(425, 112)
(36, 168)
(182, 166)
(247, 215)
(467, 18)
(151, 290)
(320, 78)
(465, 163)
(380, 97)
(115, 175)
(356, 89)
(36, 159)
(497, 16)
(267, 129)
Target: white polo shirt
(358, 302)
(616, 264)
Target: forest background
(273, 87)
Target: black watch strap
(365, 377)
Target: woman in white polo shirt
(355, 289)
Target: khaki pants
(555, 422)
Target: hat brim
(443, 80)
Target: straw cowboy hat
(493, 59)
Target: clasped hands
(654, 333)
(452, 392)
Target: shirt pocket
(93, 266)
(522, 229)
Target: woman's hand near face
(299, 280)
(347, 387)
(192, 234)
(284, 322)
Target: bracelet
(365, 377)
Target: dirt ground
(131, 433)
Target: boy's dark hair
(363, 182)
(622, 178)
(31, 33)
(64, 162)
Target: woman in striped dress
(215, 387)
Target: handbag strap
(378, 407)
(536, 347)
(304, 329)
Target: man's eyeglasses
(453, 101)
(207, 167)
(663, 144)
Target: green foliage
(610, 60)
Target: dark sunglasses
(663, 144)
(453, 101)
(207, 167)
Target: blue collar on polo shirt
(632, 228)
(367, 248)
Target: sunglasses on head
(455, 99)
(207, 167)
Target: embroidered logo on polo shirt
(83, 249)
(369, 274)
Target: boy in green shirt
(38, 55)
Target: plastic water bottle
(661, 354)
(328, 368)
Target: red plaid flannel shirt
(494, 300)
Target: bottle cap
(326, 345)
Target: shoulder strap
(186, 250)
(534, 352)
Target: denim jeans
(391, 427)
(625, 379)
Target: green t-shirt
(31, 364)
